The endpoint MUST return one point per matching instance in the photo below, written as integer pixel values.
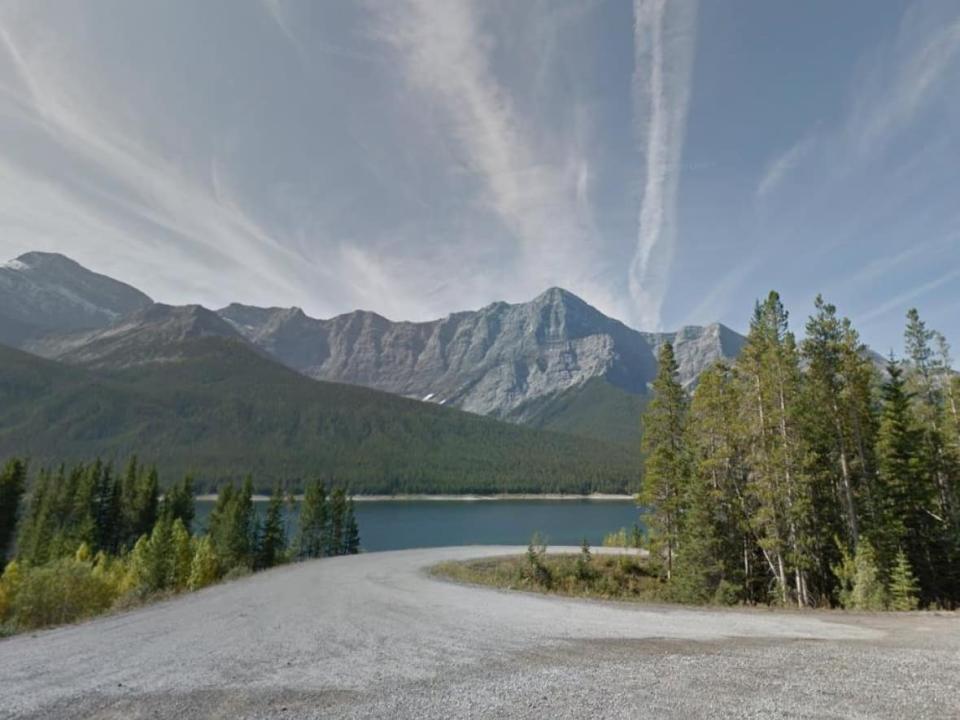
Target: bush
(60, 592)
(536, 552)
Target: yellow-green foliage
(181, 557)
(204, 568)
(9, 585)
(59, 592)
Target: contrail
(664, 44)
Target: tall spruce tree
(926, 380)
(715, 560)
(779, 485)
(338, 515)
(272, 544)
(13, 485)
(179, 502)
(666, 459)
(312, 527)
(351, 531)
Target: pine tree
(233, 527)
(782, 513)
(272, 543)
(351, 531)
(338, 511)
(906, 495)
(181, 550)
(179, 502)
(205, 567)
(312, 527)
(904, 593)
(13, 485)
(926, 379)
(666, 463)
(716, 560)
(107, 512)
(159, 557)
(868, 590)
(35, 526)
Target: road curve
(374, 636)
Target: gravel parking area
(374, 636)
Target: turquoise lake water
(397, 525)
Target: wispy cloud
(539, 194)
(665, 39)
(899, 84)
(781, 165)
(107, 177)
(899, 302)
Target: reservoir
(402, 524)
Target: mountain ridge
(555, 362)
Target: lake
(396, 524)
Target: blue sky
(667, 161)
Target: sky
(667, 160)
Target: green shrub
(60, 592)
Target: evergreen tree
(179, 502)
(338, 513)
(351, 531)
(312, 527)
(868, 590)
(904, 593)
(906, 495)
(233, 527)
(205, 567)
(107, 512)
(181, 549)
(271, 548)
(35, 526)
(665, 458)
(716, 560)
(782, 514)
(926, 379)
(13, 484)
(158, 557)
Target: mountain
(524, 362)
(153, 335)
(554, 363)
(43, 293)
(216, 407)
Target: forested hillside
(221, 411)
(803, 474)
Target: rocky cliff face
(492, 361)
(153, 335)
(555, 361)
(44, 293)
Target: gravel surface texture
(374, 636)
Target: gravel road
(373, 636)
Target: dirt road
(375, 636)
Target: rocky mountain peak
(43, 293)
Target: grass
(605, 577)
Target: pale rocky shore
(598, 497)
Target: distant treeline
(805, 474)
(222, 412)
(87, 538)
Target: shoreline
(593, 497)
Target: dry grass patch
(608, 577)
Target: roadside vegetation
(584, 574)
(804, 474)
(85, 540)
